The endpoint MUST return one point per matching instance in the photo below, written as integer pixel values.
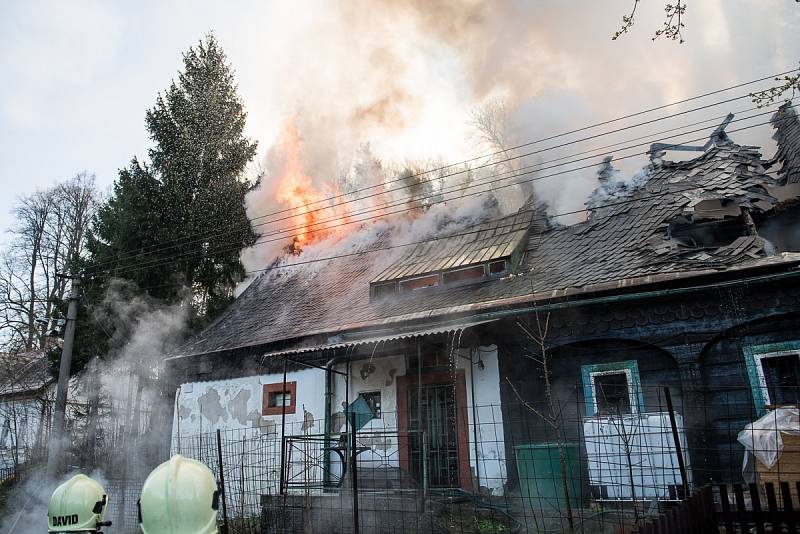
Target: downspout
(474, 417)
(326, 471)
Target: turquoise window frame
(753, 354)
(630, 367)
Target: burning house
(656, 329)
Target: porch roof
(375, 339)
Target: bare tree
(47, 241)
(491, 124)
(32, 215)
(552, 413)
(671, 28)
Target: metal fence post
(354, 470)
(222, 485)
(424, 470)
(677, 440)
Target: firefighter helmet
(77, 505)
(179, 497)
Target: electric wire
(234, 228)
(481, 182)
(484, 181)
(492, 163)
(159, 262)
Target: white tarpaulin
(762, 438)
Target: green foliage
(487, 525)
(178, 221)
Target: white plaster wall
(384, 446)
(252, 441)
(486, 418)
(235, 406)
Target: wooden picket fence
(702, 513)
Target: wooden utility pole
(57, 435)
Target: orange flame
(311, 214)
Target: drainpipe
(472, 352)
(326, 471)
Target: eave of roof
(634, 287)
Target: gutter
(326, 455)
(500, 314)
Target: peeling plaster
(238, 406)
(308, 420)
(381, 443)
(185, 411)
(390, 379)
(210, 406)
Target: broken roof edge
(491, 310)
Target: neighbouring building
(686, 278)
(26, 394)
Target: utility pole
(57, 434)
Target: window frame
(380, 398)
(629, 368)
(277, 387)
(754, 354)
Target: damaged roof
(625, 242)
(23, 373)
(490, 241)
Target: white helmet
(77, 505)
(179, 497)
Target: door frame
(440, 377)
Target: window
(382, 290)
(782, 378)
(612, 393)
(498, 267)
(278, 399)
(612, 388)
(419, 283)
(774, 373)
(373, 399)
(463, 275)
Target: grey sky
(78, 76)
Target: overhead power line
(186, 240)
(169, 260)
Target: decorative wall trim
(631, 370)
(753, 354)
(266, 409)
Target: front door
(432, 410)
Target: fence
(717, 511)
(504, 468)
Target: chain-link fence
(599, 464)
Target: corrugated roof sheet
(376, 339)
(492, 241)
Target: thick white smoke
(420, 83)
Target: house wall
(234, 406)
(695, 344)
(727, 385)
(485, 419)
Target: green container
(539, 470)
